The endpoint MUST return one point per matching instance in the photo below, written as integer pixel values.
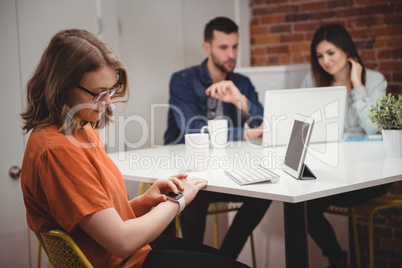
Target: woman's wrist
(144, 201)
(174, 206)
(178, 199)
(356, 84)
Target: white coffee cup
(218, 132)
(197, 151)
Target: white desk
(339, 167)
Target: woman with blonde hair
(69, 182)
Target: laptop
(327, 105)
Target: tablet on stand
(297, 148)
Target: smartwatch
(178, 198)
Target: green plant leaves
(387, 113)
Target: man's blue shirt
(188, 104)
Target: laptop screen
(327, 105)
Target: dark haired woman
(335, 62)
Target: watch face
(172, 195)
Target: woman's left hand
(355, 73)
(156, 193)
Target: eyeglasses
(98, 96)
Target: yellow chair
(366, 211)
(61, 250)
(143, 187)
(217, 208)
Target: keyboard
(244, 176)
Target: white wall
(14, 249)
(197, 13)
(158, 38)
(26, 29)
(275, 77)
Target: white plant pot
(392, 140)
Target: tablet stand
(307, 174)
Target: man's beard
(221, 67)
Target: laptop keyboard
(244, 176)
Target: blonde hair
(69, 55)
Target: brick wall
(281, 32)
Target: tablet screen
(297, 146)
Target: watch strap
(182, 204)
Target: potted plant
(387, 114)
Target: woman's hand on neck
(350, 76)
(355, 73)
(342, 78)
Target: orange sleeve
(72, 185)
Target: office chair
(61, 250)
(365, 211)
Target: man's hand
(253, 133)
(227, 91)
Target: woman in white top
(335, 62)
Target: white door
(25, 29)
(13, 231)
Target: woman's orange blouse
(67, 177)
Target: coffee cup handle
(203, 129)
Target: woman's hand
(191, 187)
(355, 73)
(108, 229)
(156, 193)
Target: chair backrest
(223, 207)
(143, 187)
(62, 251)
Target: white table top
(339, 167)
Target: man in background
(208, 91)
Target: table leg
(295, 235)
